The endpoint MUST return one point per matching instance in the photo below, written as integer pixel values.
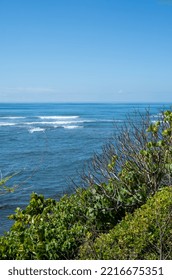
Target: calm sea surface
(47, 143)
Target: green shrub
(47, 229)
(138, 161)
(147, 234)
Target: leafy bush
(138, 164)
(147, 234)
(47, 229)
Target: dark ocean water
(47, 143)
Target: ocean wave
(157, 115)
(57, 117)
(72, 126)
(12, 118)
(117, 121)
(55, 122)
(7, 124)
(36, 129)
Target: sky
(85, 51)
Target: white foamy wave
(157, 115)
(6, 124)
(117, 121)
(72, 126)
(36, 129)
(57, 117)
(55, 122)
(12, 118)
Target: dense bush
(137, 163)
(47, 229)
(147, 234)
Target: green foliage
(148, 170)
(47, 229)
(44, 230)
(147, 234)
(3, 186)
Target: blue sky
(85, 51)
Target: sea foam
(12, 118)
(36, 129)
(55, 122)
(57, 117)
(6, 124)
(72, 126)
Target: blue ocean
(47, 145)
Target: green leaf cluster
(3, 184)
(147, 234)
(49, 229)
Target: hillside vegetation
(124, 212)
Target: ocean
(47, 145)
